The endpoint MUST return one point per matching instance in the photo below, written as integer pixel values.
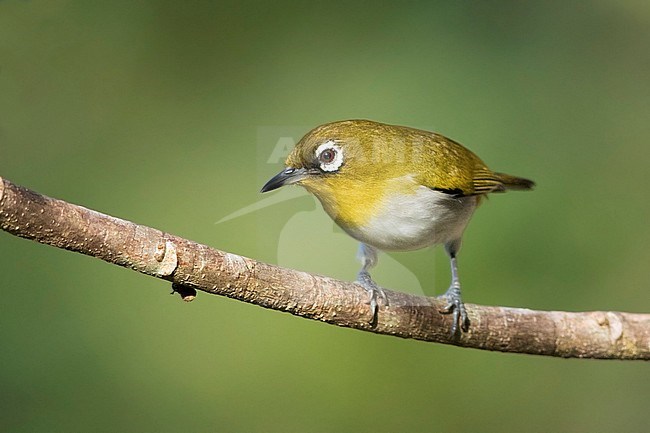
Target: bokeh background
(166, 113)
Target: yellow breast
(354, 202)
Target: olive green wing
(501, 182)
(447, 166)
(486, 181)
(451, 168)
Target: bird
(395, 188)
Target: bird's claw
(456, 308)
(374, 292)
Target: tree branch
(191, 266)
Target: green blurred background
(166, 113)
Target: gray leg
(455, 304)
(368, 257)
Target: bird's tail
(514, 182)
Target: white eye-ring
(329, 156)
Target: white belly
(413, 221)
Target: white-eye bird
(394, 188)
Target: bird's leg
(454, 304)
(368, 257)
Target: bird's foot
(374, 291)
(455, 307)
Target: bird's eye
(329, 156)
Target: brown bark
(191, 266)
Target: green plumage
(388, 151)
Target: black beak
(285, 177)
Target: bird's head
(338, 156)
